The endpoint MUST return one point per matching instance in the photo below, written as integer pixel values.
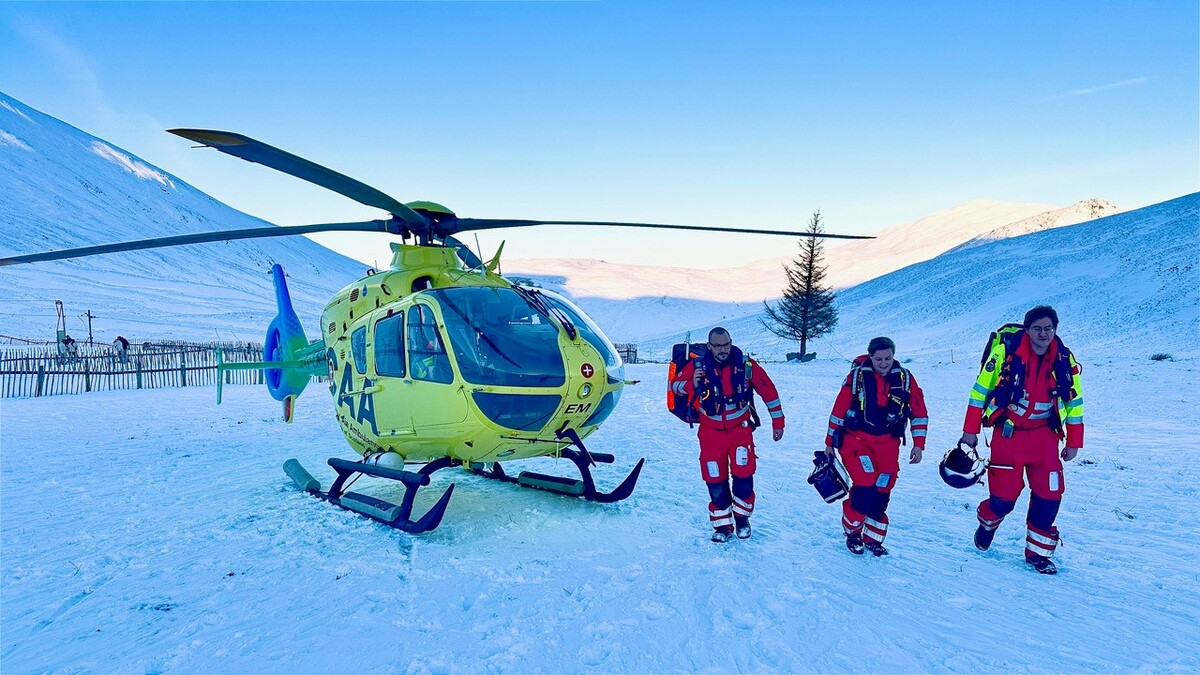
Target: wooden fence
(43, 371)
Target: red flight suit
(726, 438)
(1025, 444)
(872, 456)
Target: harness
(711, 395)
(865, 413)
(1010, 387)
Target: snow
(68, 189)
(8, 139)
(168, 539)
(1126, 284)
(13, 109)
(634, 302)
(152, 531)
(131, 165)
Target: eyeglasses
(1040, 329)
(723, 345)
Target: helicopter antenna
(478, 248)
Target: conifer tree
(806, 310)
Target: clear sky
(747, 114)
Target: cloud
(1105, 87)
(73, 64)
(91, 109)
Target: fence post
(139, 371)
(182, 370)
(41, 379)
(87, 376)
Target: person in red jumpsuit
(866, 427)
(1029, 392)
(722, 384)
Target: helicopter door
(435, 398)
(426, 350)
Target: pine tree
(806, 310)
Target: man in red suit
(722, 384)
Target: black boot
(983, 538)
(721, 534)
(875, 547)
(1042, 564)
(854, 542)
(743, 526)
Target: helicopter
(436, 361)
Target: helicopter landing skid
(585, 487)
(395, 515)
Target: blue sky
(734, 114)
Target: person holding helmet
(866, 427)
(722, 384)
(1027, 391)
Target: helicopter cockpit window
(389, 346)
(590, 332)
(499, 339)
(358, 347)
(426, 352)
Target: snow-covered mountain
(1088, 209)
(61, 187)
(1128, 284)
(635, 302)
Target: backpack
(999, 335)
(1008, 381)
(689, 410)
(680, 406)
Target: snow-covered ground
(151, 531)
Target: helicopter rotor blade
(464, 224)
(387, 226)
(258, 152)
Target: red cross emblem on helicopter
(587, 370)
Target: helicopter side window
(426, 353)
(389, 346)
(358, 346)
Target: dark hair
(879, 343)
(718, 331)
(1041, 312)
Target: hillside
(636, 302)
(62, 188)
(1126, 284)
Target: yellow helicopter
(436, 361)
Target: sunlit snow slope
(1127, 284)
(635, 302)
